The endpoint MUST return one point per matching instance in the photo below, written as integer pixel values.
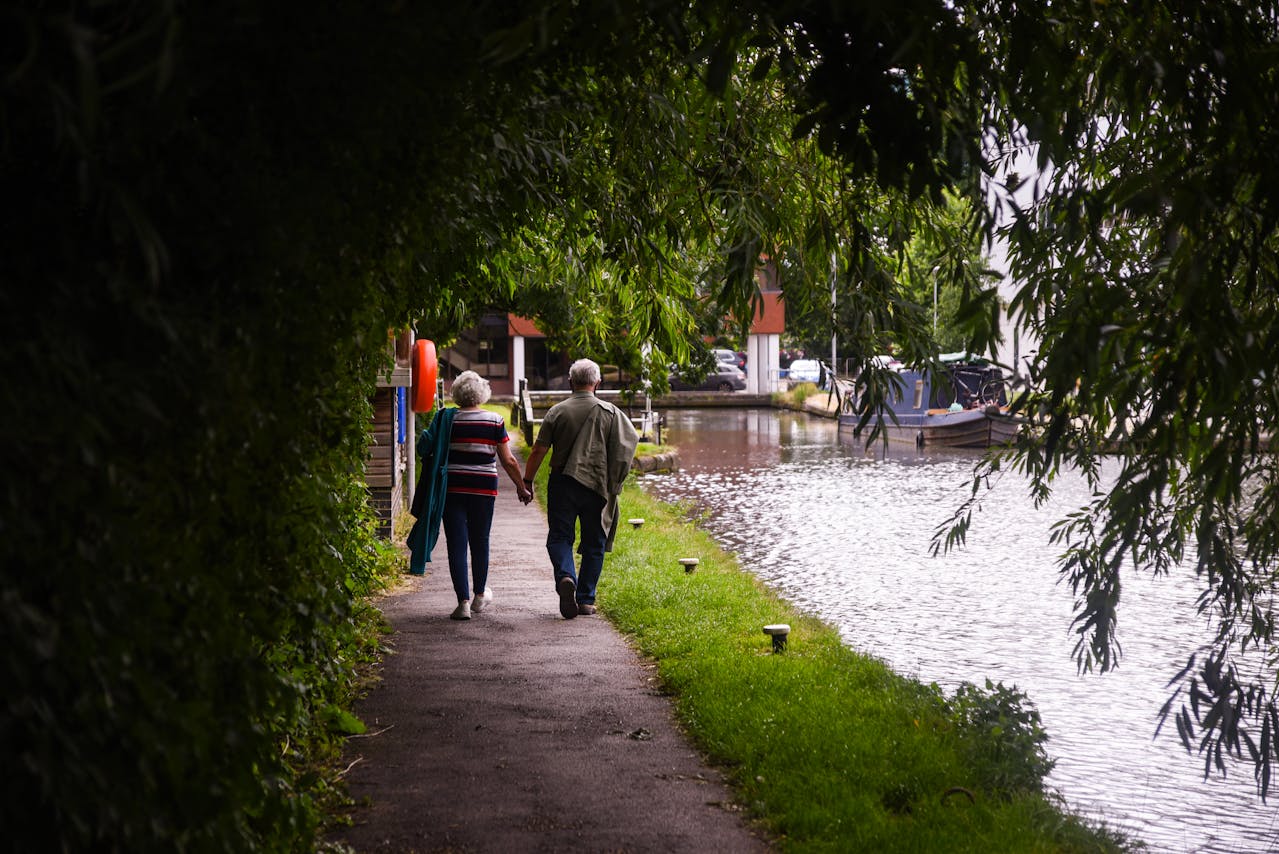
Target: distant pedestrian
(460, 453)
(591, 443)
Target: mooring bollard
(635, 523)
(689, 563)
(778, 631)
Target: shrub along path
(522, 731)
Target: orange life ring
(425, 371)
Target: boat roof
(962, 357)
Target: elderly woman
(477, 442)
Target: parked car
(805, 371)
(731, 357)
(725, 377)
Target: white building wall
(763, 363)
(517, 362)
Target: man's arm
(535, 456)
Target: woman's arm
(512, 467)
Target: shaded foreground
(520, 731)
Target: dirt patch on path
(522, 731)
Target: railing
(529, 404)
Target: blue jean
(568, 503)
(467, 521)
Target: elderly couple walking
(591, 443)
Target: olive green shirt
(562, 423)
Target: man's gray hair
(471, 389)
(584, 373)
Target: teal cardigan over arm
(432, 484)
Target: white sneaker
(479, 603)
(461, 612)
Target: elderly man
(591, 443)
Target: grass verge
(353, 667)
(828, 748)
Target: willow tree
(1149, 269)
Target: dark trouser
(567, 504)
(467, 520)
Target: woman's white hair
(471, 389)
(584, 373)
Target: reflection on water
(846, 535)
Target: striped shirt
(473, 451)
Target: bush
(1002, 737)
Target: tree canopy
(214, 212)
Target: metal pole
(834, 318)
(934, 306)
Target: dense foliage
(212, 214)
(197, 288)
(1002, 736)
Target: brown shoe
(585, 609)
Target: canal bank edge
(811, 400)
(651, 463)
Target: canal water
(846, 536)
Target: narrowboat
(966, 407)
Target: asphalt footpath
(520, 731)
